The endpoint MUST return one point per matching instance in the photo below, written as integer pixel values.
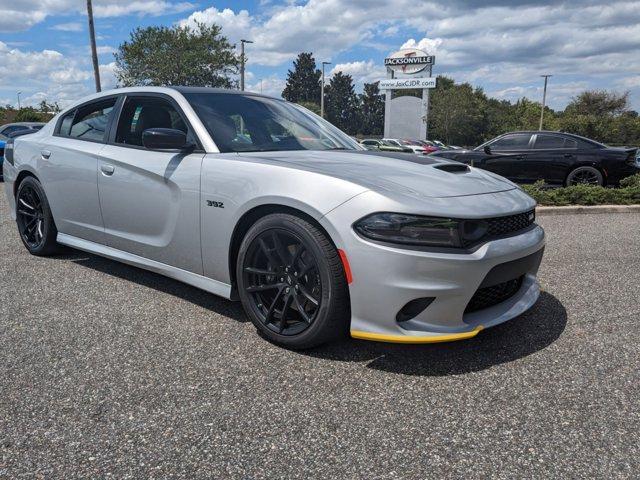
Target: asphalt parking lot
(112, 372)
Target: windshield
(248, 123)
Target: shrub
(29, 114)
(628, 194)
(632, 181)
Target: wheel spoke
(26, 213)
(259, 271)
(272, 308)
(279, 248)
(301, 310)
(26, 204)
(309, 297)
(285, 309)
(305, 268)
(297, 256)
(262, 288)
(268, 252)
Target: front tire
(33, 216)
(291, 282)
(585, 176)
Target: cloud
(47, 74)
(21, 15)
(361, 71)
(68, 27)
(271, 85)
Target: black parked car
(555, 157)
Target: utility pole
(94, 52)
(544, 98)
(19, 106)
(242, 42)
(322, 90)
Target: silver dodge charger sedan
(253, 198)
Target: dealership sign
(403, 83)
(409, 60)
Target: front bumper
(386, 278)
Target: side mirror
(164, 139)
(487, 150)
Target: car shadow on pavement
(156, 281)
(533, 331)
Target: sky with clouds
(500, 45)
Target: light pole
(19, 106)
(242, 42)
(544, 98)
(322, 90)
(94, 52)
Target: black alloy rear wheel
(585, 176)
(33, 216)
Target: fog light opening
(413, 308)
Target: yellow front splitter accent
(382, 337)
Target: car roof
(555, 132)
(23, 124)
(166, 90)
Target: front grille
(489, 296)
(500, 226)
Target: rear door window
(515, 141)
(90, 121)
(545, 142)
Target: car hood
(392, 172)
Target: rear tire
(291, 282)
(585, 176)
(36, 227)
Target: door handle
(45, 154)
(107, 169)
(568, 155)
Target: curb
(581, 209)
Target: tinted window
(140, 113)
(517, 141)
(14, 128)
(65, 124)
(570, 143)
(248, 123)
(549, 141)
(90, 121)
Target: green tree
(198, 56)
(314, 107)
(341, 104)
(603, 116)
(456, 113)
(599, 103)
(30, 114)
(49, 108)
(303, 82)
(372, 103)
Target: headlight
(419, 230)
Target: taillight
(8, 151)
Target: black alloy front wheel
(291, 282)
